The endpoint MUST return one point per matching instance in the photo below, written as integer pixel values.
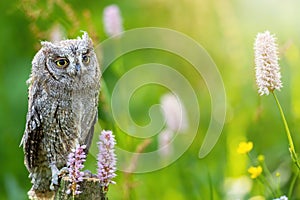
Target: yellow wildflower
(244, 147)
(255, 171)
(261, 158)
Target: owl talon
(63, 171)
(54, 180)
(87, 174)
(52, 187)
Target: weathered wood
(90, 188)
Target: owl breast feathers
(62, 108)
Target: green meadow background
(226, 29)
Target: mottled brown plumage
(62, 109)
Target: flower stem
(264, 182)
(270, 177)
(288, 133)
(293, 184)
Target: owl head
(66, 60)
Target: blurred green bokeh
(225, 28)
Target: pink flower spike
(106, 158)
(174, 112)
(112, 20)
(76, 158)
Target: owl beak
(77, 67)
(78, 70)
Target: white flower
(237, 188)
(281, 198)
(266, 63)
(174, 113)
(112, 20)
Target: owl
(62, 109)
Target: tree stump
(90, 189)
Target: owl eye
(61, 62)
(86, 59)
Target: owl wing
(33, 133)
(89, 137)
